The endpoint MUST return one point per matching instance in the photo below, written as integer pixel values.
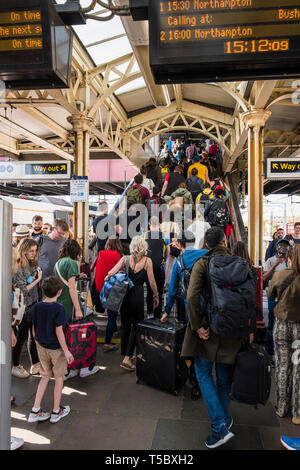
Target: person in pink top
(107, 259)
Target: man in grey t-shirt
(51, 245)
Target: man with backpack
(216, 212)
(209, 338)
(194, 184)
(153, 204)
(137, 194)
(178, 287)
(158, 251)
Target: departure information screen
(20, 30)
(203, 40)
(35, 45)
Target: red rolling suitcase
(81, 336)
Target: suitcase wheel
(137, 381)
(175, 392)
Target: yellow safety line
(114, 340)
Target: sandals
(127, 367)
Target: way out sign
(79, 189)
(283, 168)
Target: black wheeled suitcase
(158, 361)
(251, 376)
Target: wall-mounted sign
(283, 168)
(220, 40)
(79, 189)
(35, 45)
(30, 171)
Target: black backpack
(195, 185)
(231, 310)
(185, 280)
(218, 214)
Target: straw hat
(22, 231)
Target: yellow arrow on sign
(275, 166)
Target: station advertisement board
(220, 40)
(283, 168)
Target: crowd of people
(176, 215)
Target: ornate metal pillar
(82, 128)
(255, 121)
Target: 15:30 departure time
(256, 45)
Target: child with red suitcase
(48, 319)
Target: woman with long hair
(140, 269)
(107, 259)
(67, 269)
(27, 279)
(241, 249)
(285, 287)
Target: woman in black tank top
(132, 309)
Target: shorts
(52, 361)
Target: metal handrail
(116, 205)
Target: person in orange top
(202, 169)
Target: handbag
(115, 289)
(18, 307)
(176, 203)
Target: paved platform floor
(109, 411)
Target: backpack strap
(127, 264)
(180, 262)
(61, 278)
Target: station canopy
(112, 81)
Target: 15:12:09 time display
(256, 45)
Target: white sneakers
(84, 372)
(72, 373)
(20, 372)
(16, 443)
(35, 369)
(40, 415)
(62, 413)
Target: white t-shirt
(269, 263)
(148, 183)
(198, 228)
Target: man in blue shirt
(189, 257)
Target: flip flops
(127, 367)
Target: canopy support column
(255, 122)
(82, 130)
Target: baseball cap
(283, 240)
(219, 190)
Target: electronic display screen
(35, 45)
(20, 30)
(214, 40)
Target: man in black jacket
(172, 181)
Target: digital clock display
(211, 40)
